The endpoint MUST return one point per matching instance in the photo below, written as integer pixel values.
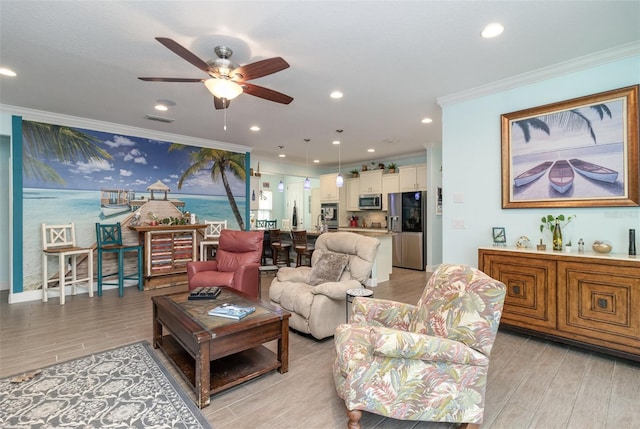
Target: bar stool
(278, 247)
(109, 240)
(211, 236)
(302, 248)
(60, 241)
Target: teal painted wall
(472, 166)
(5, 142)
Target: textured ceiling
(390, 59)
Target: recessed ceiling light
(336, 94)
(163, 104)
(282, 155)
(7, 72)
(255, 128)
(427, 121)
(371, 150)
(316, 161)
(336, 142)
(492, 30)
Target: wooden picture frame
(575, 153)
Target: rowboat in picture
(532, 174)
(561, 176)
(115, 201)
(594, 171)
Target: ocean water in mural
(61, 206)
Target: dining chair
(109, 240)
(260, 223)
(211, 236)
(278, 247)
(271, 224)
(302, 248)
(60, 241)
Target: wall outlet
(458, 223)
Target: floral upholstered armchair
(425, 362)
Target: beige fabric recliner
(318, 310)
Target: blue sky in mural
(136, 164)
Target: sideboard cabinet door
(531, 290)
(600, 304)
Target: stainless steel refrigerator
(406, 220)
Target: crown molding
(565, 67)
(110, 127)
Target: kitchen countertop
(370, 232)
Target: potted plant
(354, 173)
(392, 167)
(549, 222)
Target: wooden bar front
(167, 249)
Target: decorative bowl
(523, 242)
(602, 247)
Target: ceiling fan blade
(219, 103)
(261, 68)
(170, 79)
(266, 93)
(183, 52)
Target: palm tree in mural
(568, 120)
(221, 163)
(45, 141)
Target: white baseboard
(36, 295)
(4, 285)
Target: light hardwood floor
(532, 383)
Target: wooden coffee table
(214, 353)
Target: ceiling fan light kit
(223, 88)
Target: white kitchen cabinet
(390, 185)
(413, 178)
(353, 192)
(254, 193)
(328, 189)
(371, 182)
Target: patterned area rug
(123, 388)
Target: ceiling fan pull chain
(224, 102)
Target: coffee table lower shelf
(225, 372)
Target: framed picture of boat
(575, 153)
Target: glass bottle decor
(557, 237)
(294, 217)
(632, 242)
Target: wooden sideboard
(588, 299)
(167, 249)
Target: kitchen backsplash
(370, 218)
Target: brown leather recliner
(236, 264)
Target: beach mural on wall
(74, 175)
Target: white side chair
(60, 241)
(286, 225)
(211, 236)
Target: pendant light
(339, 178)
(280, 186)
(307, 182)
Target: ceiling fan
(227, 79)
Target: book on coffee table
(231, 311)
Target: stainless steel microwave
(370, 202)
